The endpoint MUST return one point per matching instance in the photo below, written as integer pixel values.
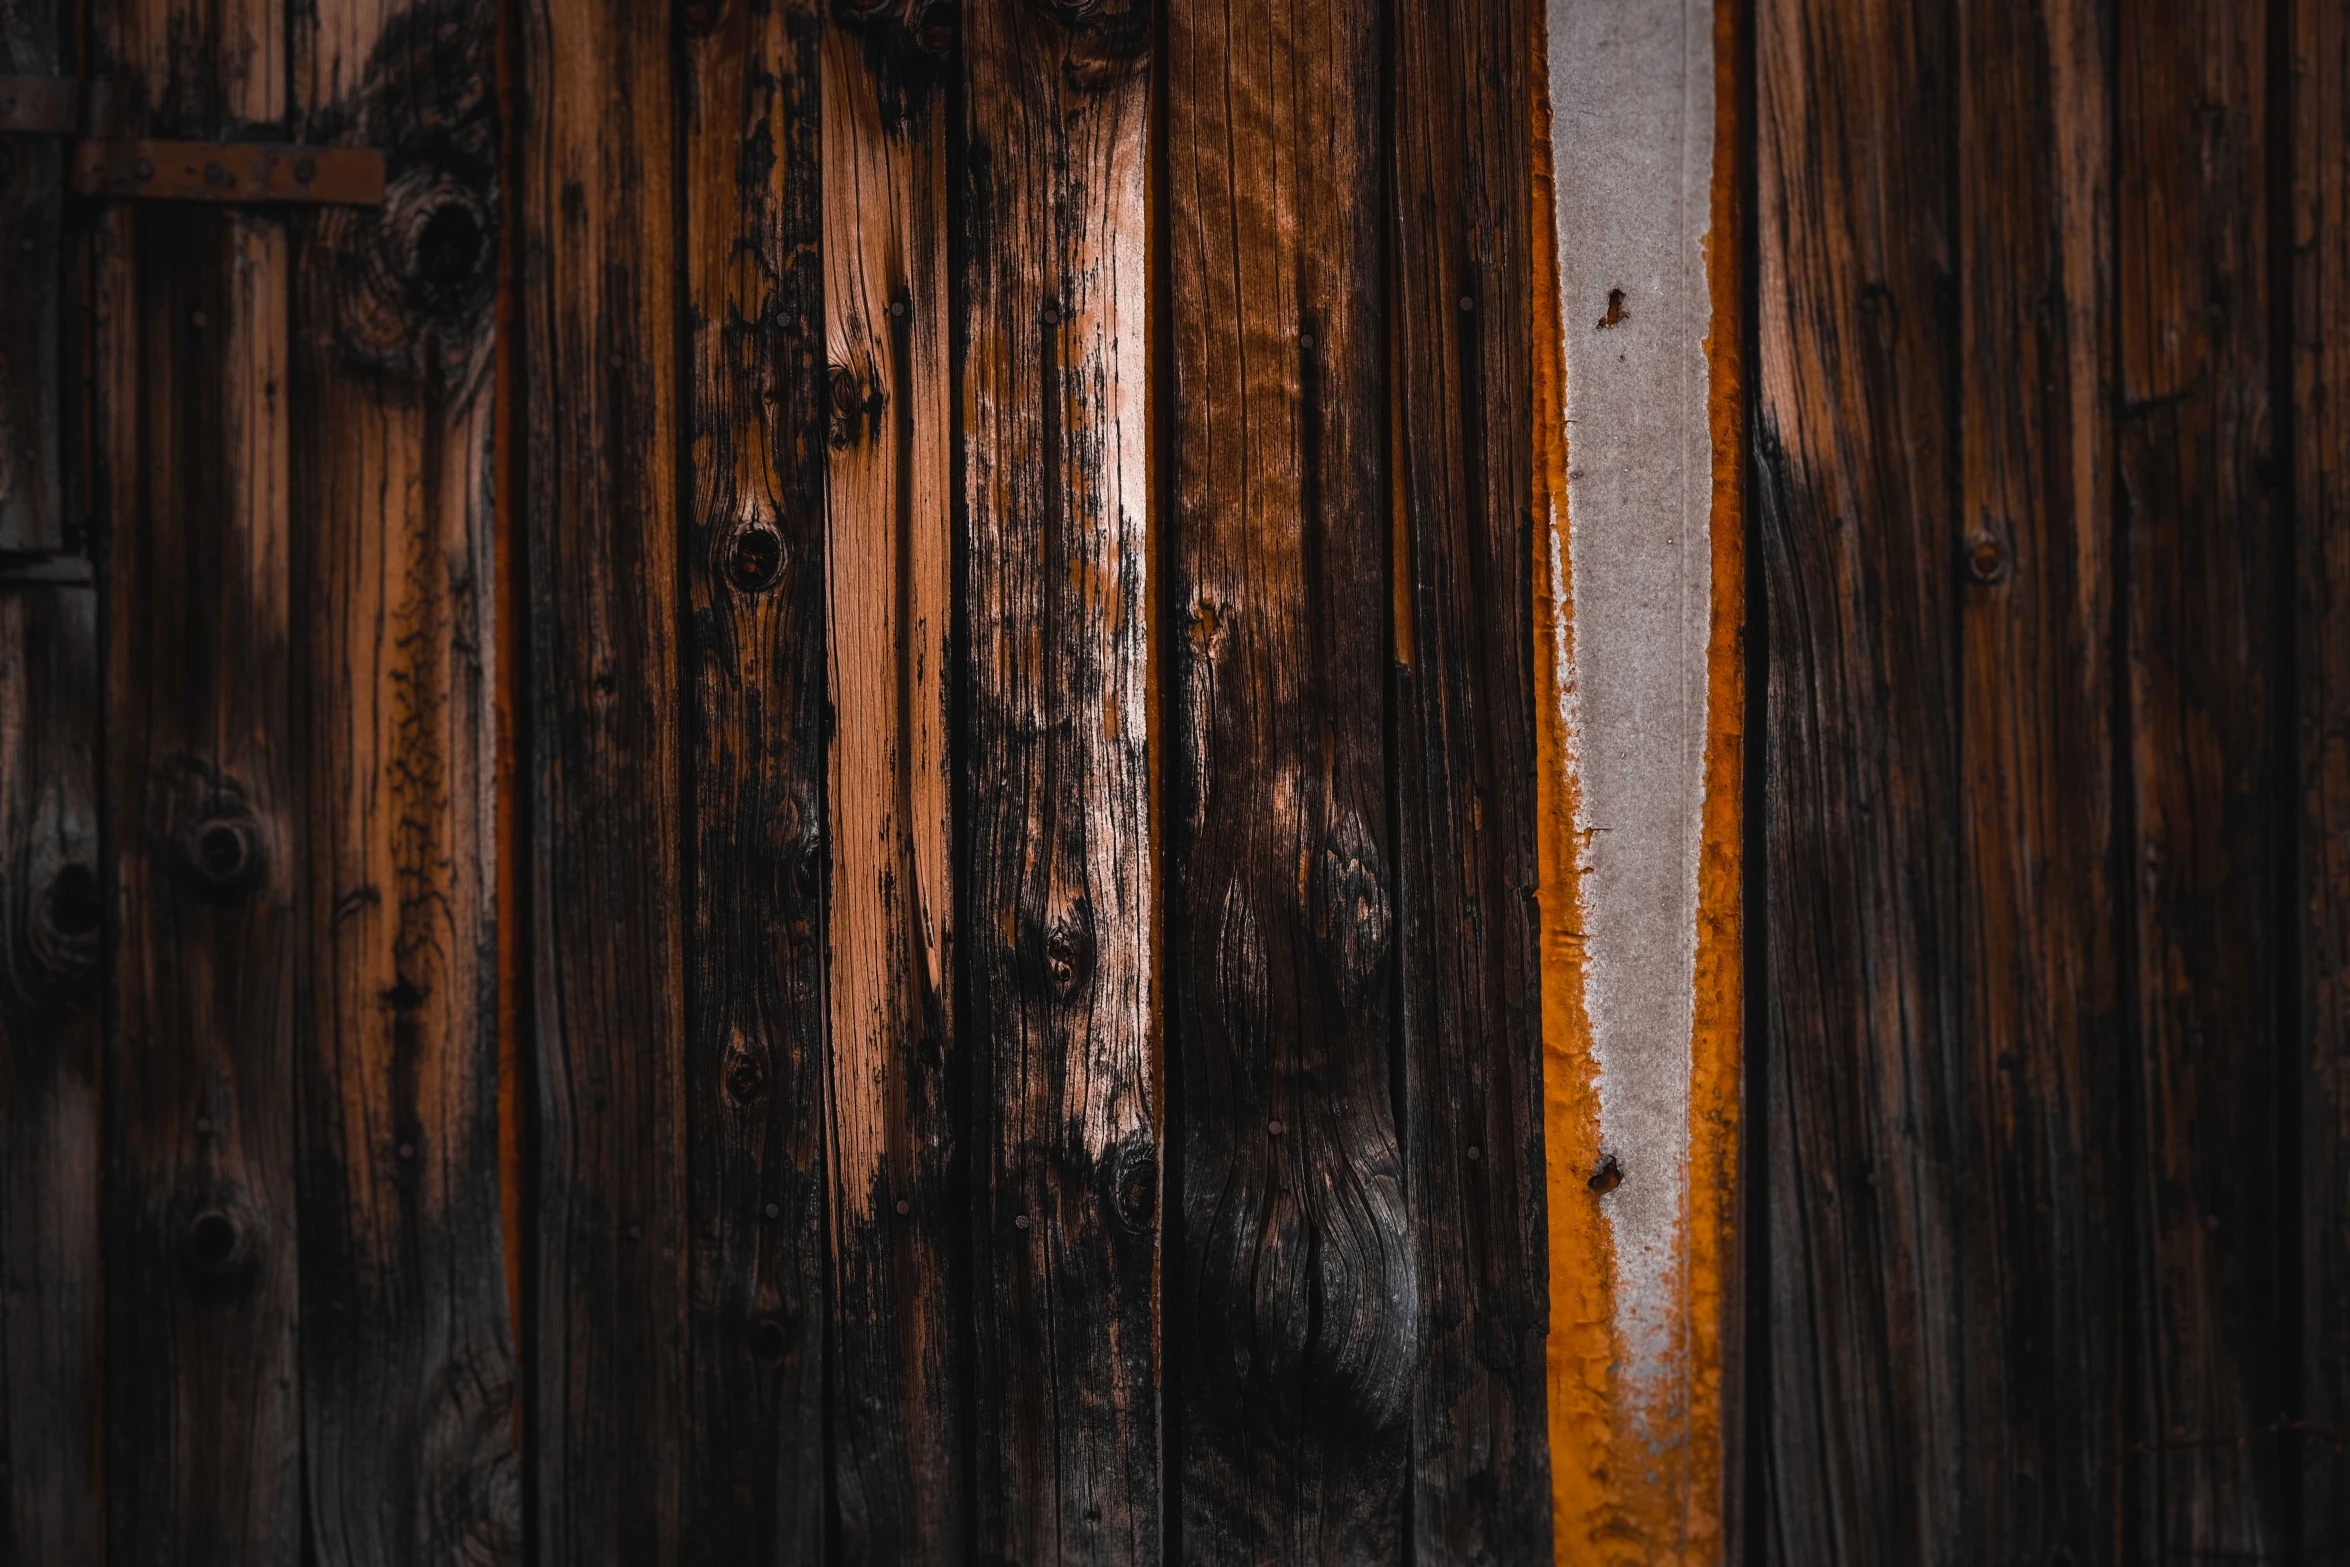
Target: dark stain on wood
(1464, 779)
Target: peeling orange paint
(1624, 1489)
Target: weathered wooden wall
(2047, 440)
(968, 782)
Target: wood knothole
(1134, 1187)
(754, 557)
(222, 856)
(67, 919)
(1987, 560)
(218, 1244)
(770, 1338)
(1069, 954)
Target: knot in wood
(754, 557)
(807, 872)
(66, 924)
(221, 855)
(770, 1338)
(745, 1076)
(1986, 559)
(1069, 953)
(1350, 909)
(1134, 1186)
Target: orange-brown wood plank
(609, 1332)
(52, 909)
(2319, 425)
(899, 1328)
(2209, 834)
(203, 1427)
(1296, 1323)
(1465, 782)
(754, 656)
(408, 1373)
(1062, 887)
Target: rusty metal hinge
(103, 164)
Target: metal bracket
(242, 172)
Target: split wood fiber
(1062, 887)
(1642, 555)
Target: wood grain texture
(900, 1359)
(601, 499)
(1297, 1320)
(408, 1370)
(203, 1413)
(2320, 426)
(52, 909)
(1465, 782)
(1857, 475)
(34, 41)
(754, 557)
(2207, 839)
(2038, 1003)
(1062, 889)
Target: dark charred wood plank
(194, 345)
(52, 908)
(1061, 886)
(900, 1332)
(1297, 1318)
(754, 564)
(34, 41)
(2208, 832)
(2320, 425)
(1856, 422)
(1464, 767)
(408, 1377)
(2039, 1002)
(600, 501)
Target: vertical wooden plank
(899, 1349)
(1644, 771)
(52, 905)
(203, 1417)
(601, 498)
(2208, 833)
(34, 41)
(1298, 1317)
(755, 650)
(2039, 1000)
(2320, 426)
(1465, 780)
(1062, 886)
(1857, 480)
(408, 1370)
